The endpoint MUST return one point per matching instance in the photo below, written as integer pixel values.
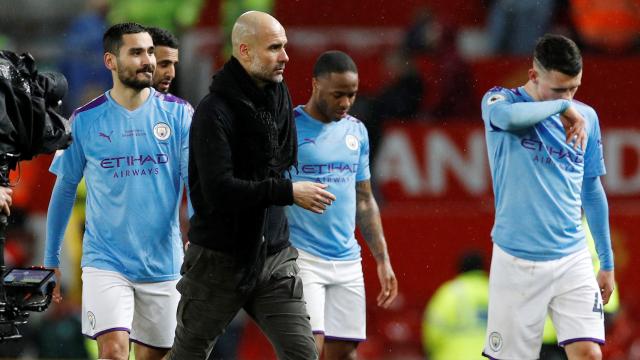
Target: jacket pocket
(287, 279)
(206, 271)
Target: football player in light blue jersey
(545, 154)
(167, 58)
(333, 149)
(131, 146)
(166, 51)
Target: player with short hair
(167, 58)
(333, 149)
(545, 154)
(131, 146)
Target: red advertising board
(436, 189)
(437, 203)
(426, 163)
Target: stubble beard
(132, 81)
(260, 72)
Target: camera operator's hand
(5, 199)
(57, 296)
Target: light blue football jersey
(537, 178)
(336, 154)
(135, 167)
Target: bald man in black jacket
(242, 143)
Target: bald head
(258, 41)
(249, 25)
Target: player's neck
(129, 98)
(530, 88)
(311, 109)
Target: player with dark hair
(545, 153)
(167, 57)
(131, 146)
(333, 149)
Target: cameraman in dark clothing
(242, 141)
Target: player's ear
(110, 61)
(533, 76)
(243, 50)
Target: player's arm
(68, 165)
(210, 146)
(596, 209)
(370, 225)
(503, 114)
(58, 214)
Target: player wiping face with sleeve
(545, 154)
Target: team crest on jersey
(495, 98)
(352, 142)
(495, 341)
(162, 131)
(92, 319)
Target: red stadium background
(432, 175)
(436, 197)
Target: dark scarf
(266, 114)
(270, 109)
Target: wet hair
(334, 62)
(559, 53)
(162, 37)
(112, 38)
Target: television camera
(29, 125)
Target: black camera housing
(25, 290)
(30, 288)
(29, 121)
(29, 125)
